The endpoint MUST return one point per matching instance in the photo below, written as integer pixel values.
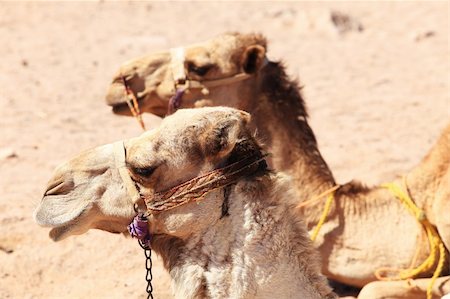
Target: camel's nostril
(53, 188)
(58, 187)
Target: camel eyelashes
(144, 172)
(199, 70)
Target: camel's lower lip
(123, 109)
(60, 232)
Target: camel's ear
(220, 139)
(253, 58)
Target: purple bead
(138, 228)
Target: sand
(377, 89)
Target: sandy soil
(378, 99)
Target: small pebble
(7, 153)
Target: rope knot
(421, 216)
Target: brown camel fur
(238, 241)
(367, 228)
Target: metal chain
(148, 266)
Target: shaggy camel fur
(240, 243)
(362, 232)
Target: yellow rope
(437, 248)
(439, 269)
(320, 196)
(323, 217)
(330, 192)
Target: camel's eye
(199, 70)
(144, 172)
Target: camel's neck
(259, 250)
(281, 120)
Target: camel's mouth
(117, 99)
(124, 109)
(121, 109)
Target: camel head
(88, 191)
(216, 71)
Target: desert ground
(376, 81)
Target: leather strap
(177, 65)
(119, 157)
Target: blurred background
(376, 80)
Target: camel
(362, 232)
(239, 239)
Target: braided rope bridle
(192, 190)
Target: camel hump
(440, 152)
(435, 164)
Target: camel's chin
(62, 232)
(124, 110)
